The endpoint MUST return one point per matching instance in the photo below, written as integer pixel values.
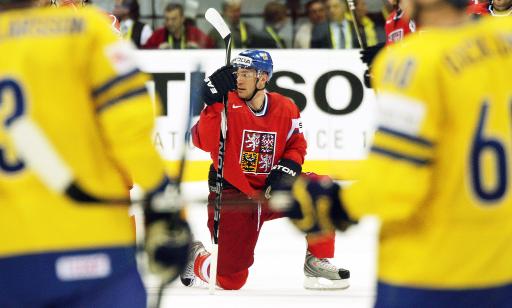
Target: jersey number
(483, 143)
(12, 87)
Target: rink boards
(336, 108)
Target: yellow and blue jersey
(67, 72)
(439, 171)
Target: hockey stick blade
(214, 18)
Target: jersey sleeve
(123, 106)
(396, 176)
(296, 144)
(206, 132)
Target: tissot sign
(336, 109)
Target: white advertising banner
(336, 108)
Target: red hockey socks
(321, 246)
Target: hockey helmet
(257, 59)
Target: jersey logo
(237, 106)
(396, 35)
(257, 151)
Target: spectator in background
(337, 33)
(366, 25)
(274, 18)
(175, 34)
(317, 14)
(128, 13)
(241, 32)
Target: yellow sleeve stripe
(125, 96)
(397, 146)
(120, 88)
(410, 138)
(420, 161)
(111, 83)
(407, 146)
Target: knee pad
(233, 281)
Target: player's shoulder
(94, 15)
(281, 103)
(491, 23)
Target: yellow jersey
(439, 172)
(67, 72)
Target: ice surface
(275, 279)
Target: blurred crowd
(327, 24)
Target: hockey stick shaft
(352, 9)
(214, 18)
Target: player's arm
(289, 167)
(206, 132)
(296, 144)
(126, 120)
(395, 178)
(399, 167)
(125, 112)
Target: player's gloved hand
(282, 176)
(369, 53)
(314, 205)
(218, 84)
(168, 235)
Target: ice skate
(320, 274)
(188, 277)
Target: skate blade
(320, 283)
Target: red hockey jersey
(477, 8)
(398, 26)
(254, 141)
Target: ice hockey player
(76, 4)
(265, 149)
(438, 175)
(499, 8)
(397, 26)
(76, 131)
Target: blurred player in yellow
(439, 175)
(76, 132)
(77, 4)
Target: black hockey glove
(282, 176)
(368, 54)
(218, 85)
(314, 205)
(168, 234)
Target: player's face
(502, 5)
(247, 80)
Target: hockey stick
(195, 83)
(214, 18)
(352, 8)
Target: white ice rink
(275, 279)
